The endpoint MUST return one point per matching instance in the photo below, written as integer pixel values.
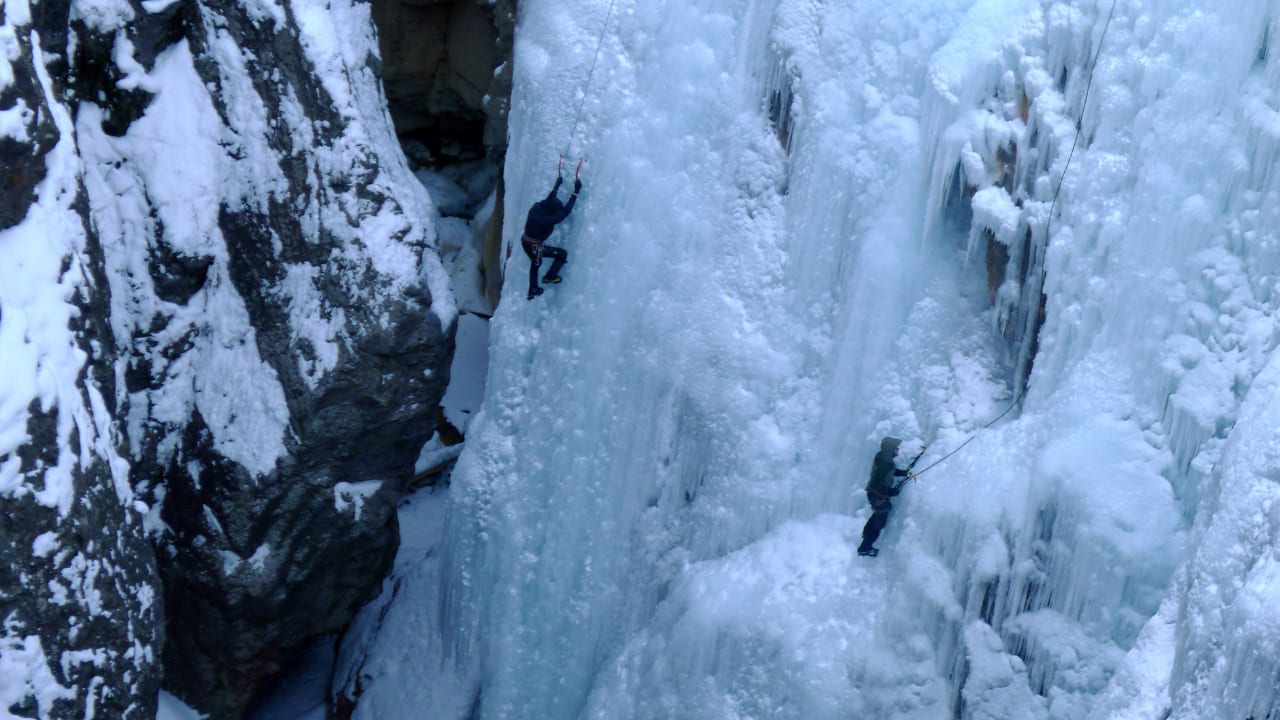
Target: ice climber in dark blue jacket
(542, 220)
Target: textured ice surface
(641, 524)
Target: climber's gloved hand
(577, 185)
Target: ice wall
(1159, 303)
(807, 225)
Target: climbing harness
(535, 248)
(587, 86)
(1084, 104)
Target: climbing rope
(1093, 65)
(590, 74)
(1016, 402)
(1084, 104)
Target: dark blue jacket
(545, 213)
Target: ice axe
(560, 168)
(912, 464)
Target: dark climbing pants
(880, 507)
(537, 251)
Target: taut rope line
(590, 74)
(1084, 104)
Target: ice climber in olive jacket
(884, 484)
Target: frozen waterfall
(809, 224)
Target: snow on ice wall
(652, 515)
(1160, 284)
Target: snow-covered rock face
(80, 599)
(240, 282)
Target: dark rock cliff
(79, 593)
(447, 69)
(264, 332)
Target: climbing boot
(535, 293)
(869, 552)
(552, 279)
